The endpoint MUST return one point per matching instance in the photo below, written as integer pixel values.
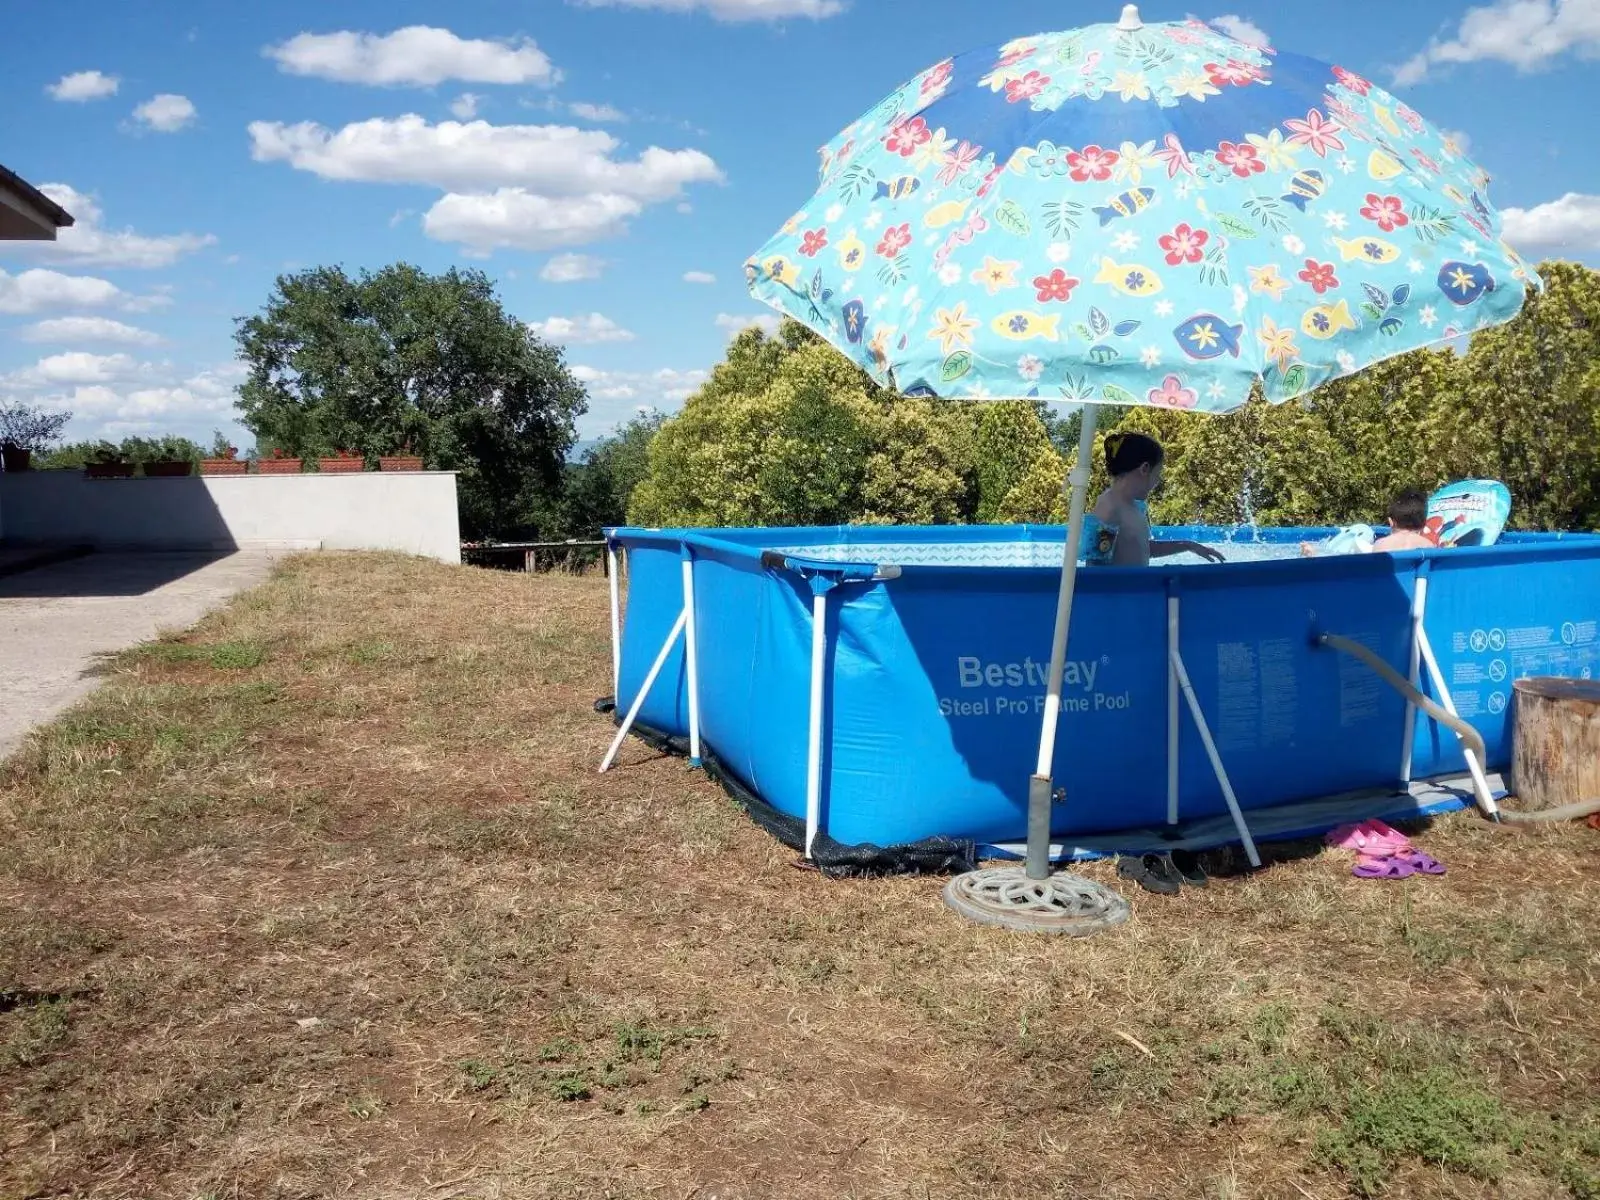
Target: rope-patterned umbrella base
(1005, 896)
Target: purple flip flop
(1422, 862)
(1388, 866)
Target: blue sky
(610, 163)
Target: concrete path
(55, 620)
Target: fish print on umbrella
(1191, 211)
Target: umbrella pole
(1040, 787)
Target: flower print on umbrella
(1030, 367)
(1172, 394)
(1279, 342)
(1234, 73)
(814, 242)
(905, 136)
(1320, 276)
(1017, 51)
(1241, 159)
(1316, 133)
(937, 79)
(1194, 85)
(1352, 81)
(996, 275)
(895, 239)
(1026, 88)
(1049, 161)
(1352, 121)
(952, 328)
(1054, 287)
(1184, 245)
(1278, 154)
(1174, 156)
(1133, 160)
(1268, 281)
(1427, 163)
(1131, 85)
(1091, 163)
(933, 150)
(1388, 213)
(855, 320)
(958, 162)
(1410, 116)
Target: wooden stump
(1556, 751)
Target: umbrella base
(1061, 903)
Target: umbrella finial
(1130, 17)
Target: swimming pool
(885, 683)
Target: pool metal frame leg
(1172, 710)
(644, 690)
(1419, 608)
(612, 559)
(819, 658)
(1480, 781)
(1179, 674)
(691, 658)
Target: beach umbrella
(1137, 214)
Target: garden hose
(1470, 737)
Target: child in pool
(1117, 532)
(1408, 518)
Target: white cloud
(88, 243)
(1527, 34)
(699, 277)
(88, 329)
(572, 268)
(581, 330)
(554, 160)
(139, 398)
(733, 326)
(41, 290)
(617, 396)
(84, 85)
(518, 219)
(733, 10)
(465, 106)
(1570, 225)
(416, 56)
(76, 367)
(596, 112)
(165, 113)
(1241, 29)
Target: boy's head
(1409, 511)
(1137, 459)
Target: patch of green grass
(367, 654)
(36, 1030)
(236, 656)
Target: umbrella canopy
(1139, 214)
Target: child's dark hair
(1409, 510)
(1127, 452)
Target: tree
(596, 491)
(787, 431)
(28, 427)
(1011, 436)
(167, 448)
(401, 358)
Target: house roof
(26, 213)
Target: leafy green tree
(401, 358)
(1529, 405)
(1010, 437)
(596, 491)
(167, 448)
(787, 431)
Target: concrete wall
(414, 512)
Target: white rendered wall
(410, 511)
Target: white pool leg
(1040, 787)
(819, 652)
(691, 660)
(1480, 782)
(616, 621)
(644, 690)
(1216, 759)
(1172, 711)
(1419, 606)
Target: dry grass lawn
(325, 898)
